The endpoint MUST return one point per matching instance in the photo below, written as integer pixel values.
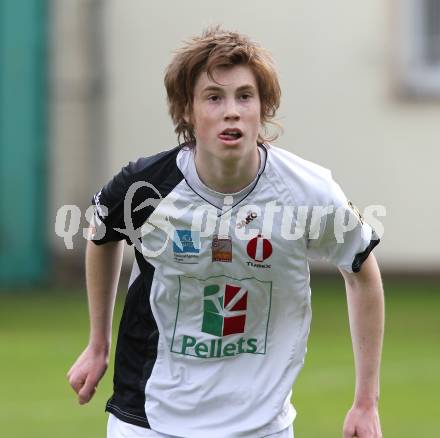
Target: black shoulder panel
(136, 183)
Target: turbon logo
(259, 249)
(226, 317)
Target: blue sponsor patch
(186, 242)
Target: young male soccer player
(215, 324)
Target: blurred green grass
(410, 384)
(43, 331)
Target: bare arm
(366, 314)
(103, 266)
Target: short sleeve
(338, 233)
(124, 204)
(118, 215)
(109, 208)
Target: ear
(187, 115)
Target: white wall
(337, 109)
(78, 162)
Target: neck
(227, 176)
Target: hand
(362, 423)
(87, 371)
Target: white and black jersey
(215, 324)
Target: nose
(231, 110)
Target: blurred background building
(81, 94)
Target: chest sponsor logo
(186, 246)
(221, 249)
(226, 318)
(249, 218)
(224, 310)
(259, 249)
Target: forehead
(226, 77)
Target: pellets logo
(221, 316)
(224, 310)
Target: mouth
(230, 134)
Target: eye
(245, 96)
(214, 98)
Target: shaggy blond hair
(213, 49)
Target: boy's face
(226, 114)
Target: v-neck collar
(238, 202)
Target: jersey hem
(263, 432)
(128, 417)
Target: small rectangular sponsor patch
(186, 246)
(221, 249)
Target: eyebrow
(239, 89)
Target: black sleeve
(128, 199)
(109, 206)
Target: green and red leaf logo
(221, 316)
(224, 309)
